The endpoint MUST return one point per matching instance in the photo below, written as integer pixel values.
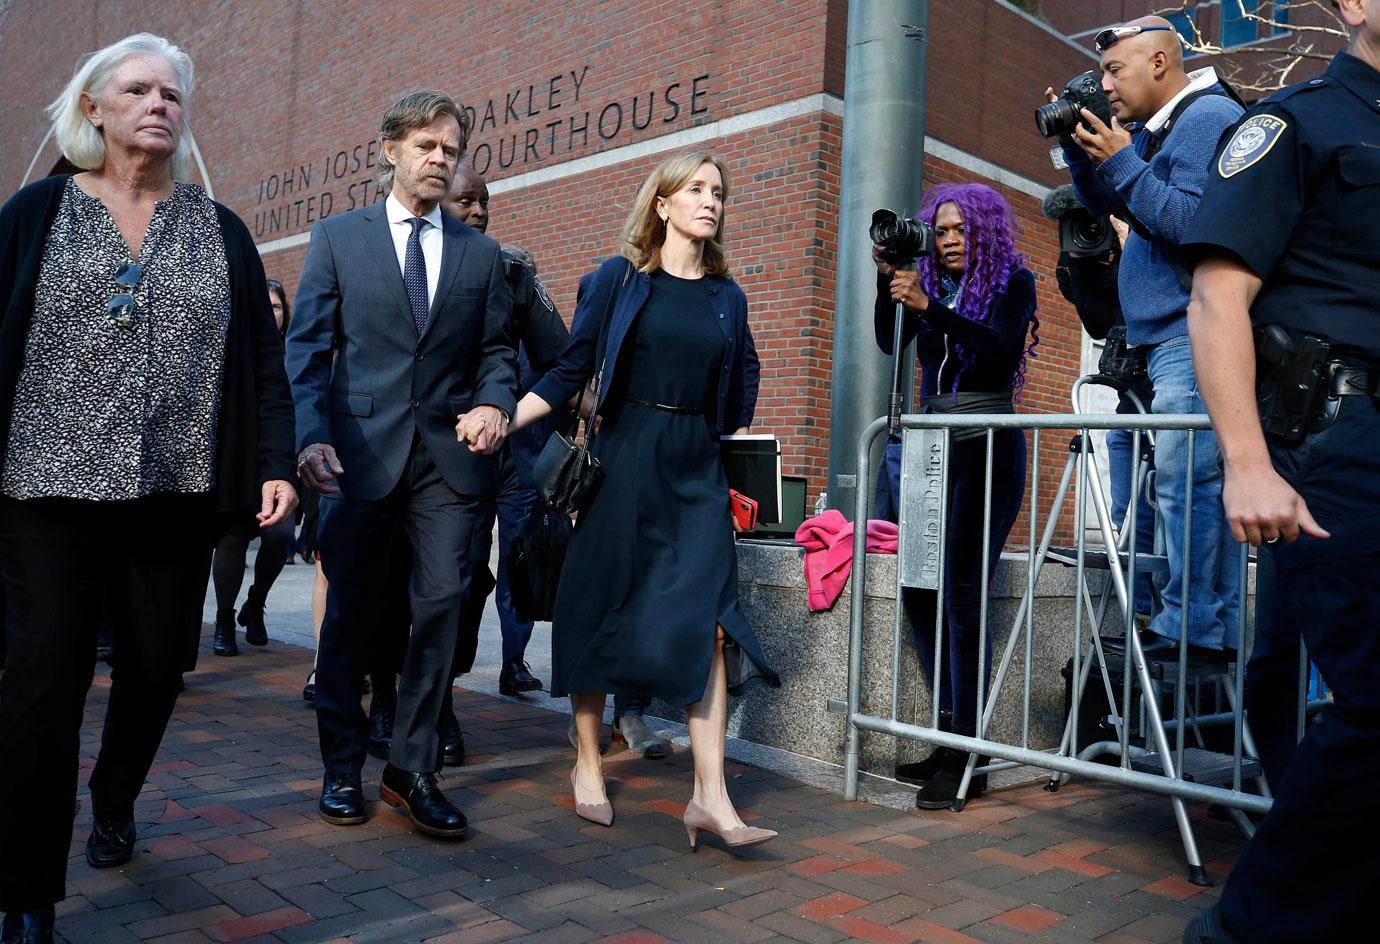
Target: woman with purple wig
(970, 304)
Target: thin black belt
(1350, 380)
(668, 408)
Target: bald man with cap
(1149, 168)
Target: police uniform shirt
(536, 323)
(541, 336)
(1295, 196)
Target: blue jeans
(1214, 558)
(1120, 461)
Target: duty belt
(1351, 380)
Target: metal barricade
(1160, 765)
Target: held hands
(319, 467)
(1262, 507)
(279, 501)
(484, 428)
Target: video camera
(1080, 231)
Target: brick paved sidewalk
(230, 847)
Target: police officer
(1287, 238)
(542, 335)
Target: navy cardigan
(255, 437)
(611, 299)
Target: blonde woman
(648, 600)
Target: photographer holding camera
(970, 301)
(1089, 258)
(1153, 178)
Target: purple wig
(990, 259)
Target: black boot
(940, 791)
(453, 744)
(919, 772)
(223, 643)
(28, 927)
(252, 618)
(382, 707)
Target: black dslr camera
(1062, 116)
(900, 237)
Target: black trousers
(354, 537)
(143, 566)
(1309, 873)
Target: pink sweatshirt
(828, 543)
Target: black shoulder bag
(565, 476)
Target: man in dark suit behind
(401, 329)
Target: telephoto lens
(899, 236)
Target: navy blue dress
(651, 568)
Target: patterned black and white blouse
(105, 410)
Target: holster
(1292, 383)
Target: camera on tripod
(1064, 115)
(900, 237)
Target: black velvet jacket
(255, 436)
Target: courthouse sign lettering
(520, 126)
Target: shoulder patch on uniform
(1252, 140)
(541, 293)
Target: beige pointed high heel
(739, 837)
(599, 813)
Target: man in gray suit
(400, 331)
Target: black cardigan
(255, 436)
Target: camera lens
(1090, 234)
(1055, 118)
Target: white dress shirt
(401, 229)
(1197, 81)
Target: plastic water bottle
(821, 503)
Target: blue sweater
(1162, 197)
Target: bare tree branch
(1293, 44)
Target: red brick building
(574, 103)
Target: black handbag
(566, 474)
(565, 477)
(535, 560)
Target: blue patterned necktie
(414, 274)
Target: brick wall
(290, 95)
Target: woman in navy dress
(648, 599)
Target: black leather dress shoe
(342, 801)
(515, 677)
(309, 689)
(381, 711)
(28, 927)
(453, 747)
(423, 801)
(111, 842)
